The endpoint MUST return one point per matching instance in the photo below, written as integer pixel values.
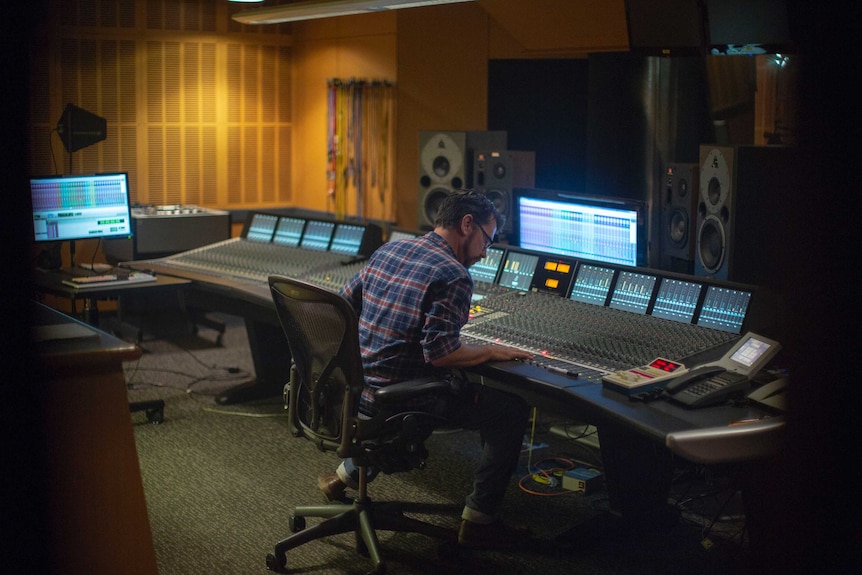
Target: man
(412, 299)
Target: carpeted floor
(220, 483)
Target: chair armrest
(399, 392)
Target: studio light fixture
(327, 8)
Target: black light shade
(79, 128)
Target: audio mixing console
(579, 319)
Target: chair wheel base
(277, 564)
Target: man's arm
(468, 355)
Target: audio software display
(518, 270)
(317, 235)
(68, 208)
(289, 232)
(396, 235)
(676, 300)
(485, 270)
(597, 228)
(633, 292)
(261, 228)
(347, 239)
(724, 309)
(592, 284)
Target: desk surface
(51, 281)
(707, 435)
(63, 341)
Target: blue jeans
(501, 419)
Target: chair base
(364, 518)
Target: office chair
(322, 398)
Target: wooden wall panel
(176, 87)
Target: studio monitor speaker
(497, 172)
(742, 205)
(446, 164)
(679, 217)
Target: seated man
(412, 299)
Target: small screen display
(592, 284)
(633, 292)
(665, 365)
(288, 232)
(750, 351)
(724, 309)
(347, 239)
(485, 270)
(518, 271)
(317, 235)
(676, 300)
(553, 275)
(261, 228)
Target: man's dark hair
(462, 202)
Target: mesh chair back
(327, 378)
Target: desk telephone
(714, 382)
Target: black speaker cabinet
(679, 217)
(495, 173)
(446, 164)
(742, 203)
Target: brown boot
(331, 486)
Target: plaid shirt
(412, 299)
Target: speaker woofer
(711, 244)
(433, 201)
(678, 228)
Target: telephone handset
(707, 386)
(697, 374)
(714, 382)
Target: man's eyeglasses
(489, 241)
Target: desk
(51, 282)
(97, 514)
(639, 441)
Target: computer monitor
(317, 235)
(261, 228)
(518, 269)
(485, 270)
(288, 232)
(69, 208)
(597, 228)
(347, 239)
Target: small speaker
(496, 173)
(446, 164)
(79, 128)
(743, 193)
(679, 217)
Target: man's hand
(469, 355)
(506, 353)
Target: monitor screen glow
(597, 229)
(81, 207)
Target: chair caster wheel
(156, 416)
(277, 564)
(296, 524)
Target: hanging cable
(359, 143)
